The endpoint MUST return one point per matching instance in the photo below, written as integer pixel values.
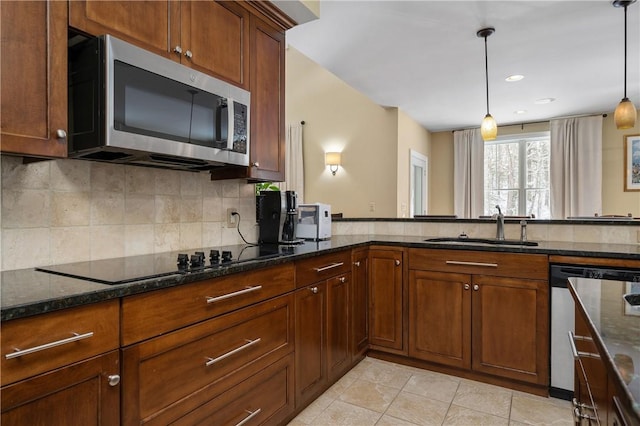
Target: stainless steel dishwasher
(562, 319)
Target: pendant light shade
(489, 127)
(625, 114)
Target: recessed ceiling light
(515, 77)
(544, 101)
(520, 111)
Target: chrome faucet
(500, 223)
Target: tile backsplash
(69, 210)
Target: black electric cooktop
(135, 268)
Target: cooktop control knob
(226, 256)
(183, 260)
(197, 261)
(214, 255)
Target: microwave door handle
(230, 123)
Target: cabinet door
(440, 317)
(510, 328)
(33, 78)
(338, 300)
(311, 355)
(79, 394)
(359, 305)
(267, 102)
(215, 39)
(153, 25)
(385, 299)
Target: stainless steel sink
(492, 241)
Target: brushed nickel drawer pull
(74, 338)
(357, 264)
(574, 351)
(457, 262)
(325, 268)
(342, 280)
(250, 416)
(211, 361)
(234, 294)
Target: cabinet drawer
(309, 271)
(193, 363)
(151, 314)
(501, 264)
(265, 398)
(33, 345)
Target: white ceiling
(425, 58)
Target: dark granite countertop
(615, 326)
(29, 292)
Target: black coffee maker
(277, 216)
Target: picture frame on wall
(632, 163)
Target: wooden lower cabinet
(84, 393)
(265, 398)
(440, 318)
(322, 335)
(359, 305)
(386, 299)
(494, 325)
(311, 347)
(180, 373)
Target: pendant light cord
(625, 51)
(486, 69)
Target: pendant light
(488, 128)
(625, 113)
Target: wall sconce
(333, 160)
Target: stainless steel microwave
(131, 106)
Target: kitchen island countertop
(615, 327)
(29, 292)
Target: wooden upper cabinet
(144, 23)
(267, 102)
(210, 36)
(33, 78)
(215, 39)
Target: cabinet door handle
(467, 287)
(61, 134)
(476, 287)
(178, 50)
(357, 264)
(211, 361)
(397, 262)
(251, 415)
(314, 290)
(234, 294)
(255, 164)
(74, 338)
(574, 351)
(342, 280)
(458, 262)
(113, 379)
(326, 268)
(188, 54)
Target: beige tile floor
(381, 393)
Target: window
(516, 175)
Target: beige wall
(338, 118)
(614, 199)
(411, 136)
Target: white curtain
(576, 167)
(294, 165)
(468, 173)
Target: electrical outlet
(372, 206)
(232, 220)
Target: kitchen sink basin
(633, 299)
(492, 241)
